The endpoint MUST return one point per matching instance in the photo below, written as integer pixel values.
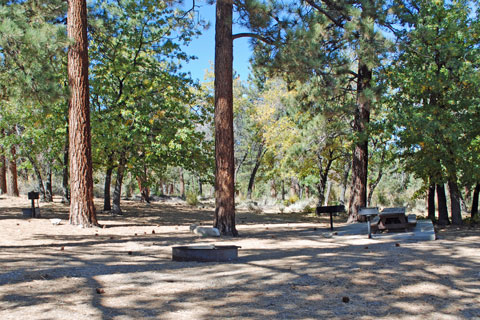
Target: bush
(192, 198)
(309, 209)
(291, 200)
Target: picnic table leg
(33, 208)
(369, 229)
(331, 221)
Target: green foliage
(143, 105)
(435, 103)
(291, 200)
(33, 80)
(192, 198)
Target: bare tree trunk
(239, 165)
(283, 190)
(358, 196)
(117, 192)
(327, 194)
(38, 173)
(468, 197)
(12, 185)
(346, 173)
(258, 160)
(182, 183)
(273, 189)
(224, 154)
(455, 202)
(476, 192)
(322, 185)
(375, 183)
(48, 184)
(442, 205)
(108, 182)
(200, 187)
(144, 189)
(82, 209)
(431, 202)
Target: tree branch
(328, 15)
(252, 35)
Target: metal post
(369, 230)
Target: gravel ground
(287, 269)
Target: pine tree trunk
(65, 175)
(3, 173)
(455, 202)
(12, 185)
(431, 202)
(117, 192)
(82, 209)
(358, 195)
(476, 192)
(107, 206)
(442, 205)
(48, 184)
(224, 156)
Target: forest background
(411, 66)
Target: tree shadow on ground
(289, 272)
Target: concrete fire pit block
(205, 253)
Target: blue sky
(204, 48)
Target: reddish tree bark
(224, 218)
(3, 167)
(82, 209)
(182, 183)
(65, 175)
(3, 174)
(12, 185)
(358, 195)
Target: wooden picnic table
(392, 219)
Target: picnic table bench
(394, 219)
(331, 210)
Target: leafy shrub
(191, 198)
(382, 199)
(291, 200)
(309, 209)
